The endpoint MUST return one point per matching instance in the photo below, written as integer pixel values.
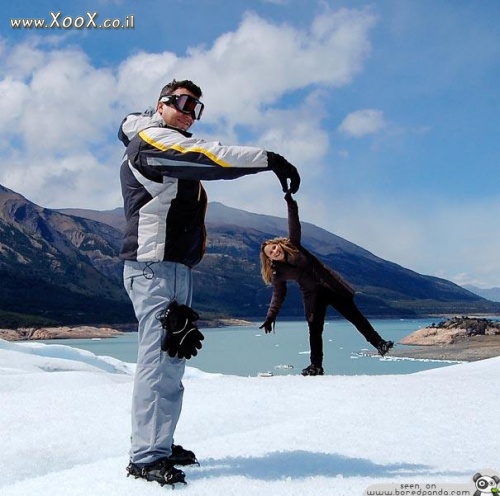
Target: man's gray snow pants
(158, 389)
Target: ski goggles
(185, 104)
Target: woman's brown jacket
(305, 269)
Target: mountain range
(492, 294)
(62, 267)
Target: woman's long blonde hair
(266, 268)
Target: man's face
(172, 116)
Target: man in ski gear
(165, 237)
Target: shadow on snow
(301, 464)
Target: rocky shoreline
(62, 332)
(463, 350)
(458, 338)
(92, 332)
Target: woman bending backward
(285, 259)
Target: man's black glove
(284, 170)
(181, 337)
(268, 325)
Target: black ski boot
(384, 347)
(161, 471)
(313, 370)
(181, 456)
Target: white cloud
(59, 113)
(77, 178)
(247, 70)
(141, 77)
(363, 122)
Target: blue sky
(390, 110)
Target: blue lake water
(248, 351)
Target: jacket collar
(187, 134)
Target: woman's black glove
(284, 170)
(268, 325)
